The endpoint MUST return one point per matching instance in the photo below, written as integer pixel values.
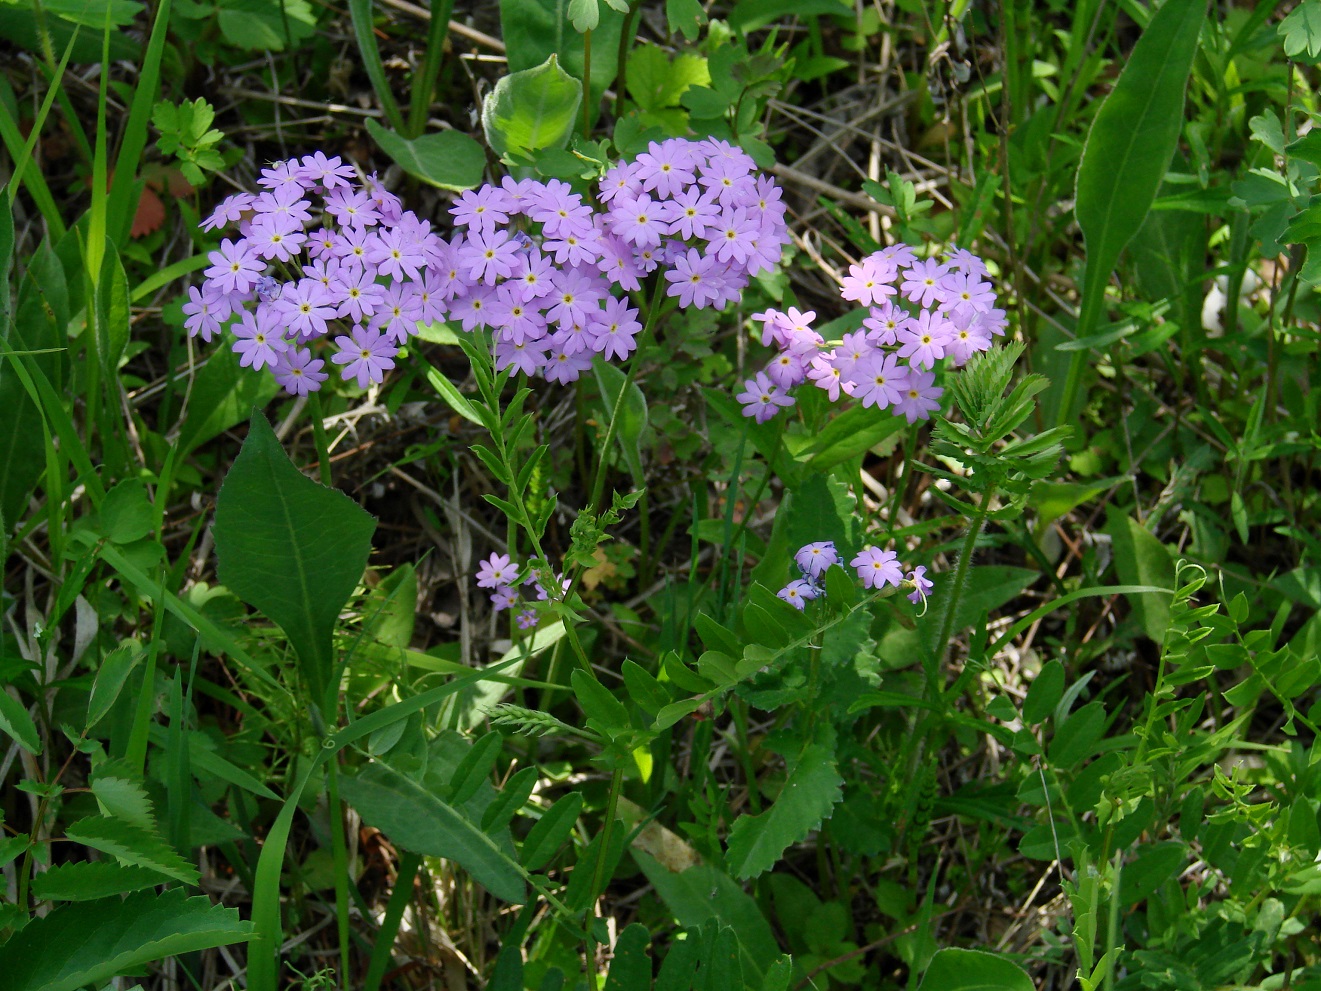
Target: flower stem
(599, 880)
(319, 438)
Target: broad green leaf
(548, 835)
(1125, 158)
(813, 788)
(474, 770)
(91, 942)
(531, 110)
(266, 25)
(418, 821)
(448, 159)
(656, 83)
(1045, 693)
(1076, 738)
(133, 845)
(630, 967)
(643, 687)
(15, 721)
(954, 969)
(1156, 863)
(1301, 30)
(989, 587)
(850, 435)
(88, 880)
(598, 703)
(1141, 559)
(291, 548)
(686, 16)
(620, 393)
(127, 514)
(222, 396)
(95, 13)
(702, 892)
(534, 30)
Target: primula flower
(204, 313)
(762, 398)
(813, 559)
(922, 585)
(366, 356)
(235, 268)
(504, 597)
(876, 567)
(526, 619)
(495, 571)
(257, 345)
(298, 371)
(797, 592)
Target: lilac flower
(279, 174)
(273, 238)
(921, 283)
(481, 210)
(298, 371)
(366, 356)
(871, 281)
(352, 208)
(921, 584)
(398, 313)
(204, 312)
(528, 357)
(762, 398)
(394, 257)
(690, 215)
(495, 571)
(813, 559)
(876, 567)
(561, 366)
(229, 211)
(328, 173)
(922, 339)
(306, 308)
(490, 255)
(798, 592)
(504, 597)
(787, 370)
(526, 619)
(920, 398)
(615, 329)
(692, 279)
(234, 268)
(258, 345)
(880, 380)
(825, 376)
(354, 244)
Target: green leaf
(813, 788)
(260, 25)
(686, 16)
(1075, 740)
(88, 880)
(1045, 693)
(91, 942)
(124, 799)
(620, 392)
(1301, 30)
(474, 769)
(291, 548)
(418, 821)
(112, 317)
(133, 845)
(452, 396)
(531, 110)
(534, 30)
(512, 797)
(657, 83)
(630, 967)
(15, 721)
(548, 835)
(448, 159)
(643, 688)
(1128, 150)
(223, 394)
(953, 969)
(1141, 559)
(849, 435)
(598, 703)
(126, 513)
(1153, 865)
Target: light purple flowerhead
(813, 559)
(877, 568)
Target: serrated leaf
(91, 942)
(954, 969)
(15, 721)
(531, 110)
(110, 678)
(90, 880)
(291, 548)
(126, 800)
(133, 845)
(448, 159)
(418, 821)
(550, 832)
(812, 790)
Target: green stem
(587, 85)
(956, 586)
(424, 84)
(319, 438)
(394, 914)
(339, 854)
(599, 879)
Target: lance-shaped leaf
(291, 548)
(91, 942)
(418, 821)
(531, 110)
(810, 793)
(1127, 153)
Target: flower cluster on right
(874, 567)
(920, 311)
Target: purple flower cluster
(920, 312)
(874, 567)
(531, 260)
(319, 256)
(503, 578)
